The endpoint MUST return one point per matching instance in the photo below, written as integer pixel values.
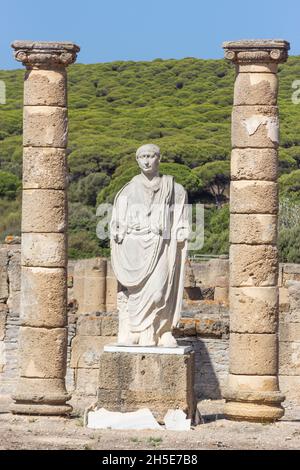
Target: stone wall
(93, 322)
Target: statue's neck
(150, 176)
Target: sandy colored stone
(253, 229)
(256, 412)
(44, 249)
(45, 87)
(258, 68)
(255, 126)
(290, 386)
(43, 352)
(44, 210)
(289, 357)
(254, 383)
(254, 164)
(253, 197)
(253, 309)
(86, 382)
(43, 297)
(256, 89)
(88, 325)
(45, 126)
(253, 354)
(294, 295)
(284, 296)
(221, 294)
(44, 168)
(13, 271)
(128, 382)
(89, 287)
(253, 265)
(3, 274)
(86, 350)
(3, 315)
(41, 390)
(289, 331)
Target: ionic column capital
(256, 51)
(45, 54)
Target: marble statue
(149, 232)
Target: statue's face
(148, 162)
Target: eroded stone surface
(253, 265)
(253, 197)
(253, 229)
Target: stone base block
(259, 413)
(130, 381)
(39, 409)
(41, 397)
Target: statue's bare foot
(167, 340)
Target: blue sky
(146, 29)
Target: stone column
(43, 332)
(253, 392)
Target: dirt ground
(33, 432)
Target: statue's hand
(182, 234)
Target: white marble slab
(137, 420)
(179, 350)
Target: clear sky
(108, 30)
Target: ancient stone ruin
(66, 313)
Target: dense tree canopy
(184, 106)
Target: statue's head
(148, 158)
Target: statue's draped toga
(149, 230)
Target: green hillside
(182, 105)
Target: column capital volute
(256, 51)
(45, 54)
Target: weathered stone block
(109, 325)
(44, 249)
(14, 302)
(89, 325)
(3, 274)
(253, 197)
(253, 266)
(253, 309)
(294, 296)
(129, 381)
(45, 87)
(255, 126)
(89, 287)
(41, 390)
(253, 354)
(86, 381)
(44, 168)
(86, 350)
(14, 271)
(253, 229)
(44, 210)
(256, 89)
(252, 383)
(43, 352)
(45, 126)
(290, 386)
(3, 315)
(289, 358)
(254, 164)
(44, 297)
(289, 331)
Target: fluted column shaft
(253, 391)
(43, 332)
